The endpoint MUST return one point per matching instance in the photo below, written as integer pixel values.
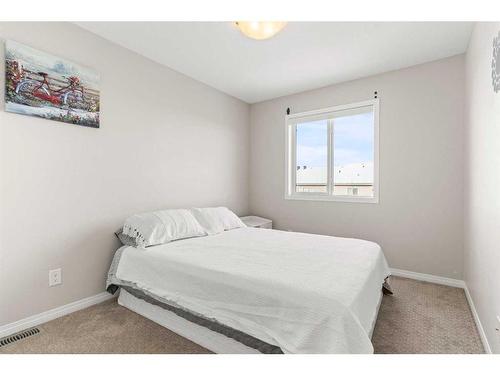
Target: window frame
(291, 153)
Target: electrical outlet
(55, 277)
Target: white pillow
(217, 219)
(154, 228)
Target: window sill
(331, 198)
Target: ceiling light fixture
(260, 30)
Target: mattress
(218, 340)
(209, 334)
(300, 292)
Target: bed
(251, 290)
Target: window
(332, 154)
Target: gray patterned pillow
(124, 239)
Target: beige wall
(418, 221)
(165, 141)
(482, 181)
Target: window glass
(353, 155)
(311, 157)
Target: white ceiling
(304, 56)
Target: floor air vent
(18, 336)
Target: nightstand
(257, 222)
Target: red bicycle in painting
(72, 94)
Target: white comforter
(302, 292)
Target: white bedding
(302, 292)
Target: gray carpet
(419, 318)
(425, 318)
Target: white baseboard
(482, 334)
(46, 316)
(449, 282)
(429, 278)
